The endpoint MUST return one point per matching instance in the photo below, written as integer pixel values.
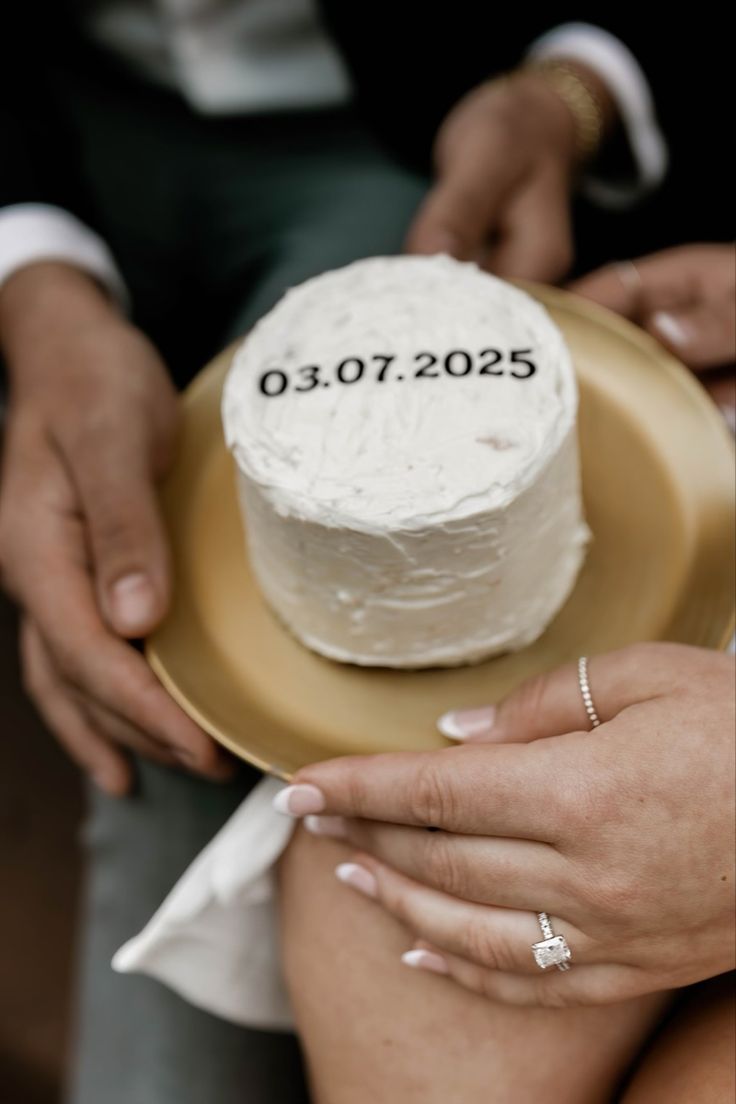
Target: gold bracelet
(580, 100)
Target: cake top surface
(399, 392)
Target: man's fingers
(116, 729)
(536, 234)
(112, 473)
(57, 590)
(488, 950)
(461, 210)
(107, 766)
(120, 678)
(702, 335)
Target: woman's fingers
(684, 297)
(506, 872)
(529, 792)
(659, 281)
(107, 765)
(552, 703)
(580, 985)
(703, 334)
(545, 705)
(495, 938)
(518, 784)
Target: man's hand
(505, 159)
(91, 427)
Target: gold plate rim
(156, 644)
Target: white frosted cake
(404, 434)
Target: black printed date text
(386, 368)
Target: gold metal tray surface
(658, 483)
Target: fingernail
(331, 826)
(440, 241)
(467, 724)
(670, 327)
(425, 960)
(133, 602)
(357, 877)
(298, 801)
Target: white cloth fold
(214, 940)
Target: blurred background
(41, 808)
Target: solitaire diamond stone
(551, 952)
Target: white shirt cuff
(623, 76)
(31, 232)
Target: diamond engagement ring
(553, 949)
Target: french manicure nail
(670, 327)
(299, 800)
(425, 960)
(332, 826)
(133, 601)
(357, 877)
(467, 724)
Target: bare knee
(692, 1058)
(374, 1030)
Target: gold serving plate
(658, 480)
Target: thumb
(551, 704)
(536, 235)
(702, 335)
(460, 212)
(127, 542)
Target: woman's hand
(624, 835)
(91, 427)
(685, 297)
(505, 161)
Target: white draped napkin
(214, 939)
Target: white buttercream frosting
(411, 521)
